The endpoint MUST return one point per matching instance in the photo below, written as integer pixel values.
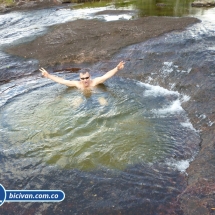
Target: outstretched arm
(109, 74)
(58, 79)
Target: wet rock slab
(88, 41)
(198, 198)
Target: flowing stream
(122, 149)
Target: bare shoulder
(77, 84)
(97, 81)
(72, 83)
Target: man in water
(85, 83)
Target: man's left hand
(120, 65)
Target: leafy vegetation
(7, 2)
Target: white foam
(172, 86)
(202, 116)
(179, 165)
(185, 98)
(109, 18)
(149, 79)
(168, 64)
(184, 71)
(210, 123)
(174, 107)
(188, 124)
(156, 90)
(167, 68)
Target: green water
(114, 127)
(174, 8)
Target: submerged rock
(161, 5)
(203, 3)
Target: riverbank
(85, 42)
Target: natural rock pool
(124, 123)
(124, 148)
(123, 137)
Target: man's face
(85, 79)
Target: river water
(123, 149)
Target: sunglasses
(85, 78)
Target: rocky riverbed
(76, 44)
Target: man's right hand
(44, 72)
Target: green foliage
(7, 2)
